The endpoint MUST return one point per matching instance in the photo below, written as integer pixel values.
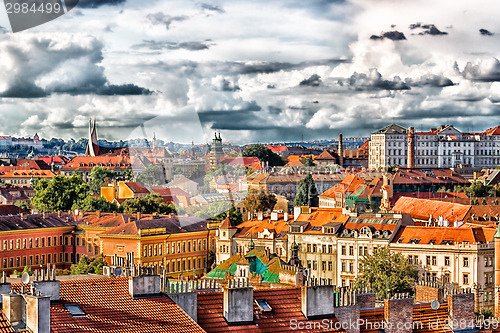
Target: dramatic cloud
(163, 19)
(430, 80)
(36, 66)
(427, 29)
(485, 32)
(313, 81)
(211, 8)
(98, 3)
(487, 70)
(166, 45)
(392, 35)
(374, 80)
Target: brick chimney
(139, 215)
(461, 310)
(411, 148)
(398, 312)
(238, 302)
(98, 214)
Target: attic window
(447, 242)
(400, 240)
(414, 241)
(432, 241)
(74, 310)
(263, 305)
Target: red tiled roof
(404, 176)
(325, 155)
(492, 131)
(348, 184)
(431, 195)
(293, 163)
(109, 308)
(227, 223)
(29, 173)
(440, 234)
(137, 187)
(275, 149)
(245, 161)
(285, 303)
(365, 145)
(422, 209)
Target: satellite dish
(118, 271)
(435, 305)
(25, 278)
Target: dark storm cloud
(313, 81)
(226, 85)
(41, 59)
(431, 80)
(99, 3)
(163, 19)
(374, 81)
(485, 32)
(487, 70)
(212, 8)
(392, 35)
(427, 29)
(272, 67)
(160, 45)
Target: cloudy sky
(258, 71)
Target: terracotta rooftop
(34, 221)
(171, 225)
(29, 173)
(405, 176)
(348, 184)
(285, 303)
(251, 228)
(423, 209)
(137, 187)
(108, 307)
(438, 235)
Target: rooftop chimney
(144, 285)
(274, 216)
(139, 215)
(285, 217)
(260, 216)
(238, 302)
(296, 212)
(317, 301)
(399, 313)
(98, 214)
(411, 148)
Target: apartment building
(443, 147)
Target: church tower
(216, 151)
(92, 147)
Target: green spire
(251, 245)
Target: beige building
(463, 256)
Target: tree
(212, 211)
(234, 215)
(23, 204)
(307, 195)
(60, 193)
(97, 177)
(127, 175)
(152, 203)
(259, 201)
(93, 204)
(88, 265)
(385, 272)
(308, 162)
(152, 175)
(264, 154)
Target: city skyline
(256, 71)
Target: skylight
(74, 310)
(263, 305)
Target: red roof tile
(423, 209)
(109, 308)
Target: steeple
(92, 146)
(251, 244)
(154, 140)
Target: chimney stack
(238, 302)
(461, 311)
(98, 214)
(317, 301)
(144, 285)
(296, 212)
(341, 150)
(139, 215)
(411, 148)
(398, 313)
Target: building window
(330, 248)
(308, 247)
(447, 261)
(323, 265)
(466, 278)
(343, 266)
(351, 267)
(466, 262)
(343, 250)
(351, 250)
(330, 265)
(315, 265)
(428, 260)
